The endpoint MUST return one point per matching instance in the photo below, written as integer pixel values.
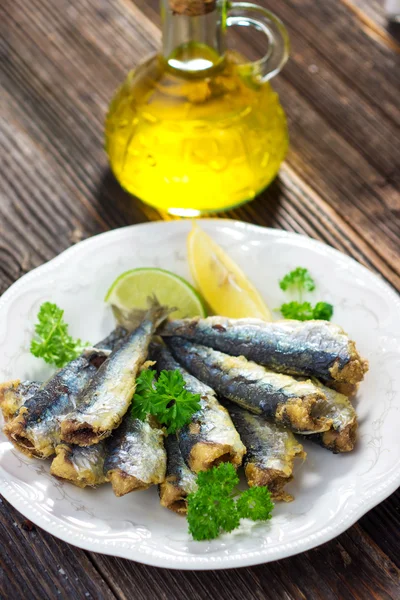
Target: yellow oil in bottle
(193, 131)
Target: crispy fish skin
(342, 435)
(310, 348)
(135, 456)
(81, 466)
(179, 482)
(347, 389)
(271, 450)
(210, 438)
(35, 429)
(14, 393)
(102, 405)
(279, 398)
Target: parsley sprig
(167, 399)
(52, 341)
(299, 281)
(303, 311)
(217, 506)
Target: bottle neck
(193, 42)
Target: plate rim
(368, 500)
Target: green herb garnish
(167, 399)
(299, 281)
(217, 506)
(303, 311)
(323, 311)
(255, 504)
(52, 341)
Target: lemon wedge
(221, 282)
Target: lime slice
(221, 282)
(132, 288)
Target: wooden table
(61, 62)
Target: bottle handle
(246, 14)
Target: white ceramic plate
(331, 492)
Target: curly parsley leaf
(224, 477)
(217, 506)
(302, 311)
(323, 310)
(52, 341)
(299, 279)
(210, 514)
(255, 504)
(142, 400)
(167, 399)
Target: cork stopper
(192, 8)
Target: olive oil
(195, 131)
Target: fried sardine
(210, 438)
(309, 348)
(278, 398)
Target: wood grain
(347, 558)
(36, 565)
(352, 567)
(60, 64)
(371, 15)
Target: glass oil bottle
(196, 129)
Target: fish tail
(131, 318)
(157, 312)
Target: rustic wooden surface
(60, 63)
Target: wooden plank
(352, 567)
(383, 525)
(317, 67)
(357, 569)
(37, 566)
(372, 14)
(35, 141)
(291, 204)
